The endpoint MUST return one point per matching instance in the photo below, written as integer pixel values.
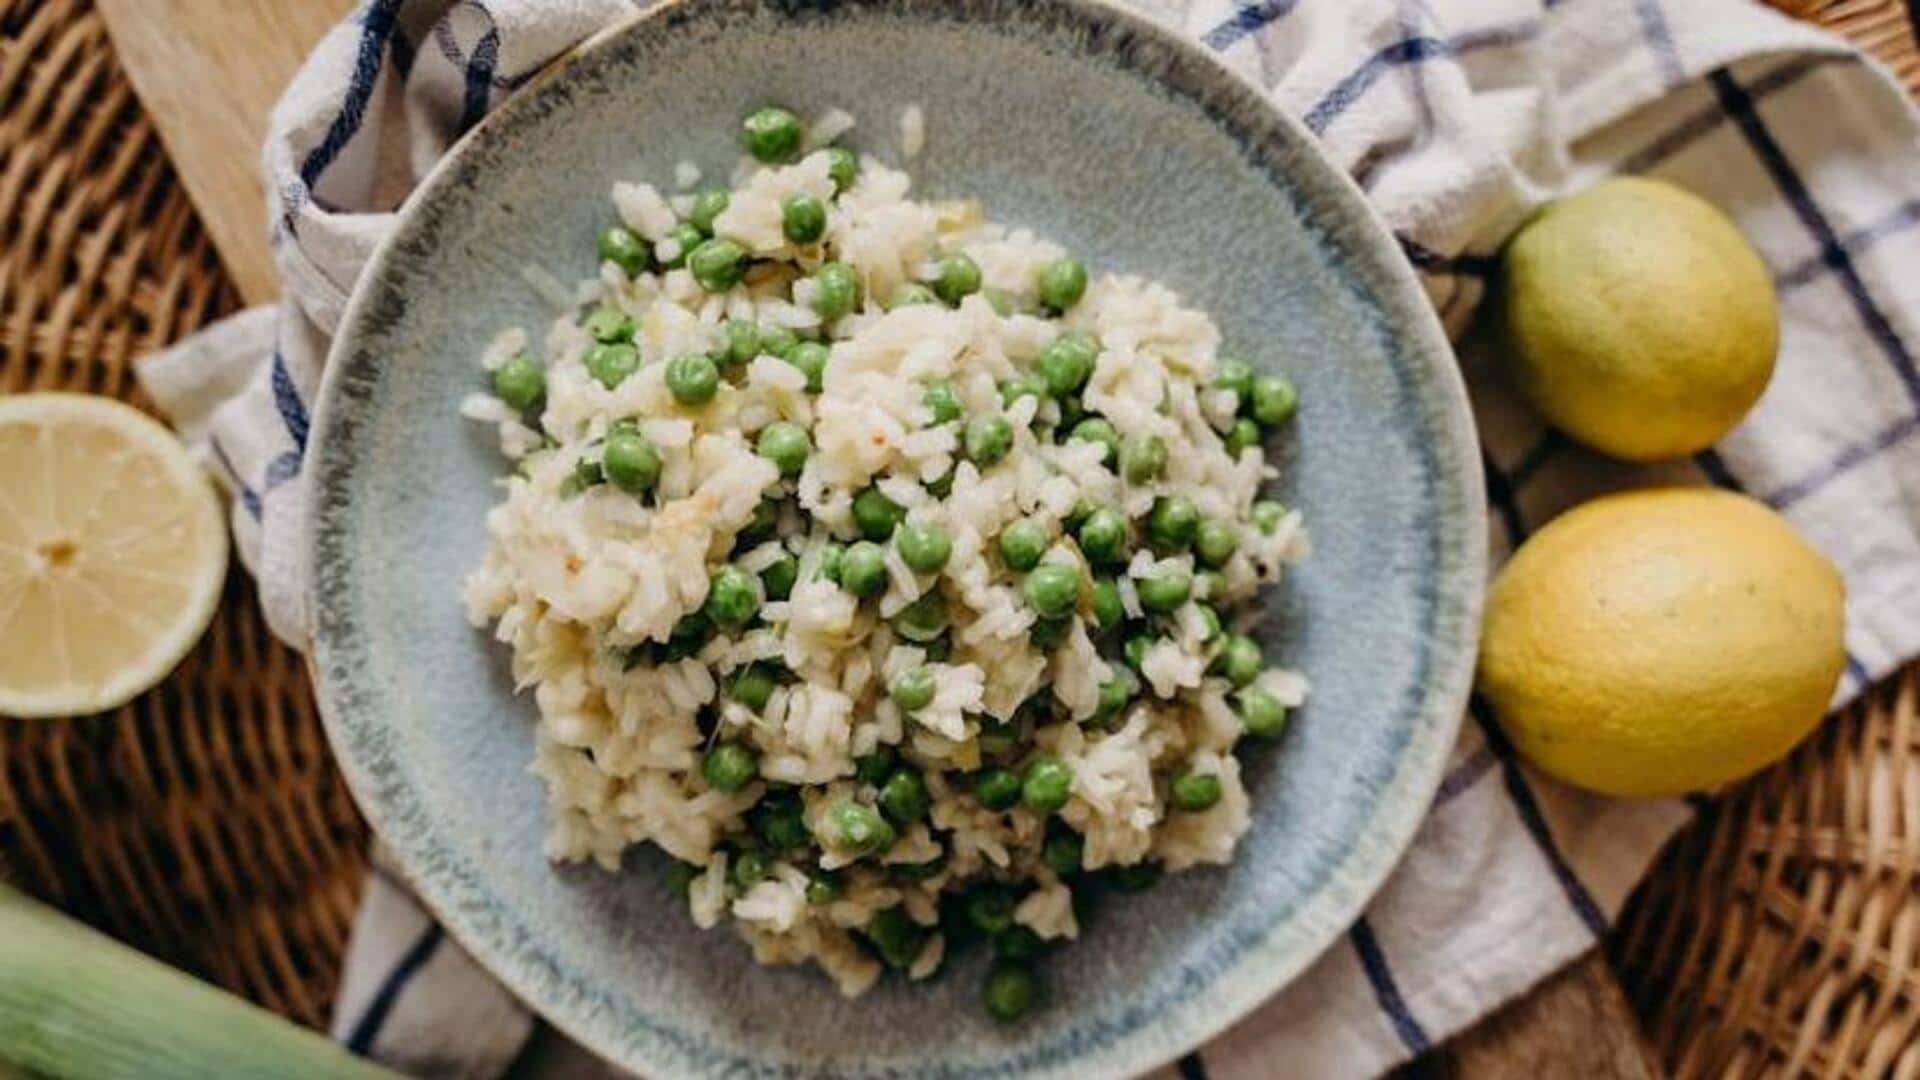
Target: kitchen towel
(1457, 117)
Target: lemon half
(112, 553)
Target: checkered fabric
(1458, 117)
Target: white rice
(575, 582)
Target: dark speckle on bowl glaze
(1097, 129)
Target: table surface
(207, 77)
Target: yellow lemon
(1662, 641)
(1635, 317)
(112, 553)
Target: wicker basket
(205, 822)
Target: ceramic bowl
(1099, 129)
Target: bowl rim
(1396, 814)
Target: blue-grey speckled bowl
(1099, 129)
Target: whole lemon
(1636, 318)
(1662, 641)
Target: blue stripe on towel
(1385, 990)
(1191, 1067)
(1666, 56)
(1250, 19)
(286, 401)
(360, 1040)
(1536, 822)
(377, 24)
(248, 497)
(1740, 107)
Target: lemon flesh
(1662, 641)
(1635, 317)
(112, 554)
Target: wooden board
(208, 71)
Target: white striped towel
(1458, 117)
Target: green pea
(1047, 784)
(1051, 589)
(1098, 429)
(923, 620)
(786, 445)
(1017, 943)
(1143, 460)
(996, 787)
(753, 686)
(1108, 611)
(777, 341)
(1164, 591)
(729, 766)
(608, 324)
(1172, 523)
(987, 439)
(940, 401)
(856, 829)
(611, 362)
(1103, 536)
(782, 825)
(733, 598)
(680, 877)
(619, 245)
(685, 237)
(925, 546)
(1274, 400)
(908, 873)
(707, 205)
(1013, 390)
(904, 796)
(802, 218)
(519, 382)
(1136, 648)
(1062, 283)
(1215, 542)
(824, 886)
(688, 635)
(1239, 660)
(1136, 878)
(990, 907)
(912, 688)
(911, 294)
(1209, 586)
(630, 462)
(875, 515)
(1116, 692)
(718, 265)
(830, 559)
(836, 290)
(780, 576)
(743, 343)
(955, 277)
(749, 868)
(842, 167)
(1193, 792)
(875, 767)
(998, 300)
(940, 649)
(1212, 619)
(1243, 434)
(1064, 852)
(811, 358)
(761, 525)
(1261, 713)
(895, 936)
(998, 739)
(863, 570)
(1266, 516)
(693, 379)
(771, 134)
(1066, 363)
(941, 486)
(1071, 410)
(1234, 374)
(1049, 634)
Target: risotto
(881, 566)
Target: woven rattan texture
(205, 822)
